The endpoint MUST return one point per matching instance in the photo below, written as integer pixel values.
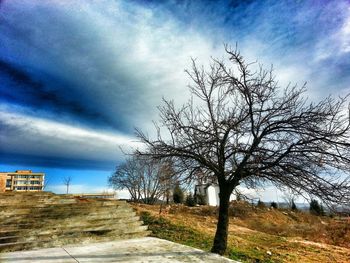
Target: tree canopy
(241, 127)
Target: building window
(21, 176)
(21, 182)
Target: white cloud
(268, 194)
(337, 44)
(30, 135)
(344, 34)
(86, 189)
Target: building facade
(21, 180)
(210, 192)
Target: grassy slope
(289, 236)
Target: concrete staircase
(41, 219)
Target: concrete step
(13, 246)
(5, 233)
(61, 210)
(70, 205)
(53, 224)
(80, 234)
(68, 225)
(8, 239)
(92, 234)
(33, 220)
(87, 228)
(60, 241)
(24, 195)
(83, 235)
(51, 218)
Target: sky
(77, 77)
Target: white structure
(210, 193)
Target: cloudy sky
(76, 77)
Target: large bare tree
(242, 128)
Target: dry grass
(289, 236)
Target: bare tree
(168, 180)
(47, 181)
(66, 181)
(289, 198)
(144, 179)
(245, 129)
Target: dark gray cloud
(47, 161)
(23, 88)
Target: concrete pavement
(146, 249)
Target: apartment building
(21, 180)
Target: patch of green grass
(250, 255)
(163, 228)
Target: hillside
(256, 234)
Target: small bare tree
(66, 181)
(289, 198)
(244, 129)
(46, 182)
(168, 180)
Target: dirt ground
(268, 234)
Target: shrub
(339, 233)
(208, 211)
(261, 204)
(316, 208)
(274, 205)
(178, 195)
(240, 209)
(190, 201)
(239, 196)
(200, 199)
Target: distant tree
(66, 181)
(239, 195)
(190, 200)
(47, 181)
(274, 205)
(289, 197)
(316, 208)
(240, 127)
(142, 178)
(178, 194)
(168, 179)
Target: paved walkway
(146, 249)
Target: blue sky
(76, 77)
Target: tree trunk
(167, 196)
(220, 240)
